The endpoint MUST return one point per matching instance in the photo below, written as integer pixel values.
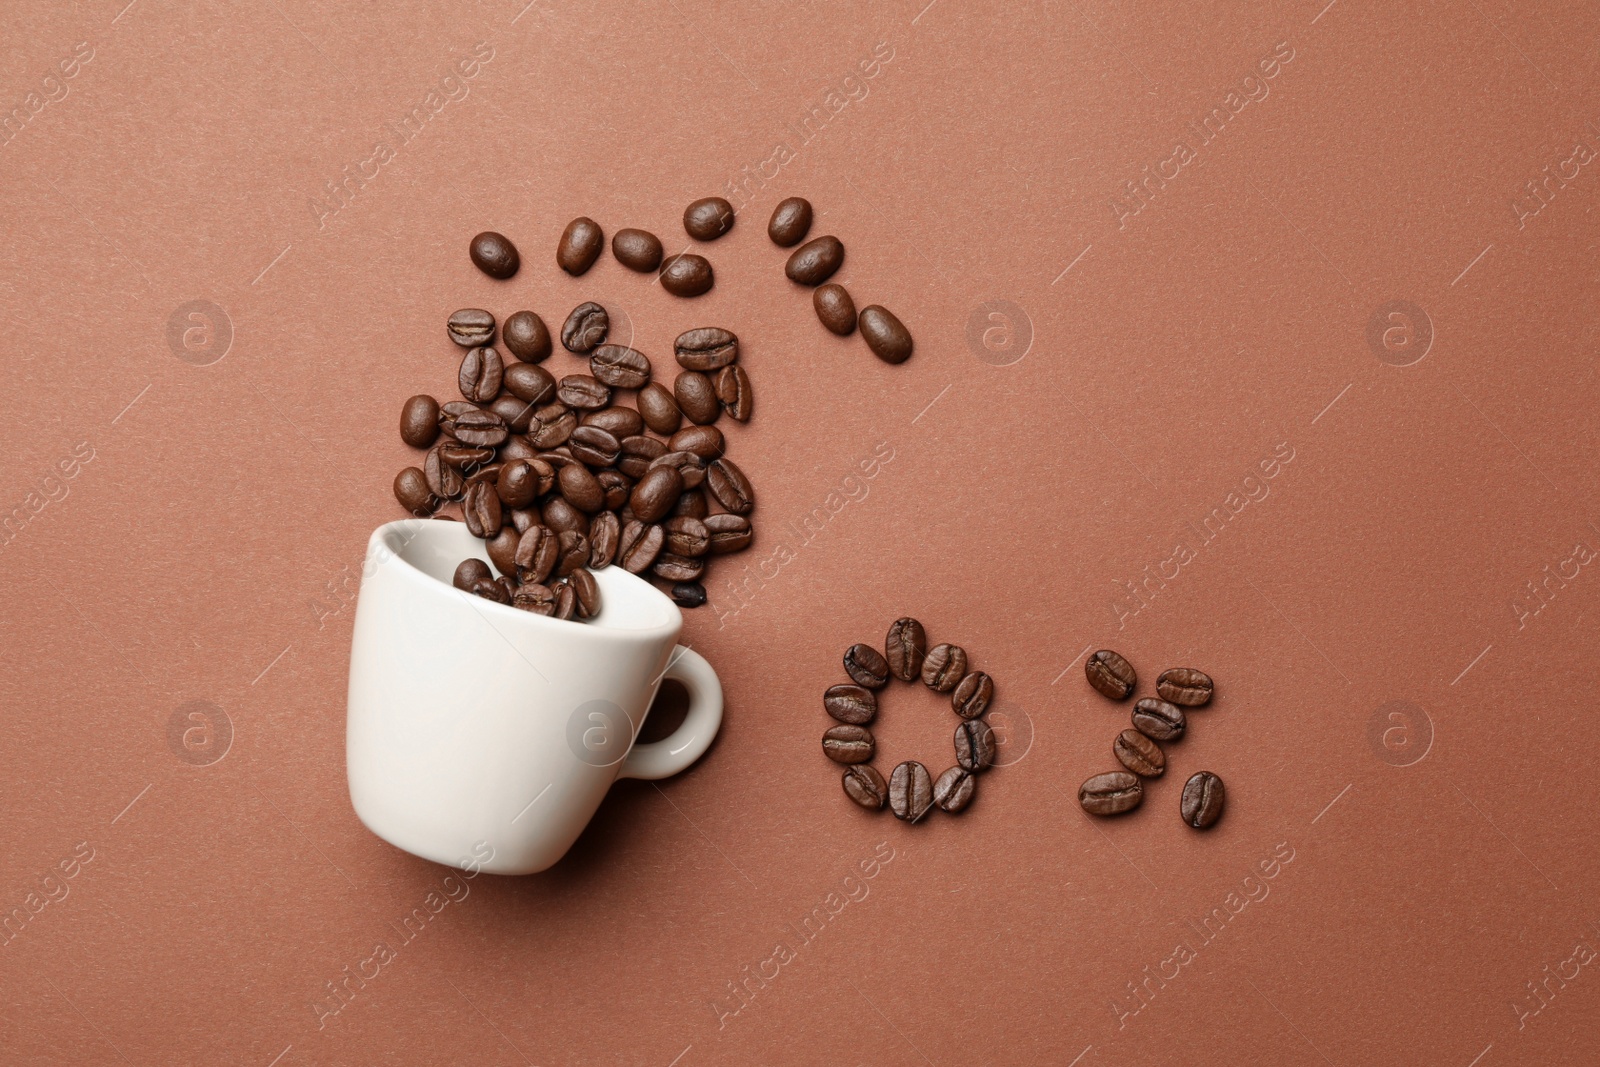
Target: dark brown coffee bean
(1185, 687)
(480, 374)
(864, 785)
(790, 222)
(1158, 720)
(708, 218)
(1110, 674)
(659, 409)
(848, 744)
(692, 505)
(1203, 798)
(944, 667)
(537, 550)
(637, 250)
(706, 349)
(704, 441)
(618, 421)
(502, 547)
(517, 484)
(450, 411)
(886, 335)
(516, 446)
(523, 518)
(462, 456)
(1139, 754)
(973, 695)
(687, 537)
(690, 467)
(866, 666)
(479, 428)
(470, 572)
(411, 489)
(729, 533)
(551, 426)
(566, 601)
(689, 594)
(733, 390)
(583, 583)
(639, 546)
(481, 510)
(534, 597)
(850, 704)
(582, 391)
(526, 336)
(687, 275)
(487, 473)
(529, 383)
(471, 328)
(954, 789)
(494, 255)
(638, 452)
(975, 745)
(491, 589)
(620, 366)
(730, 487)
(580, 245)
(419, 421)
(517, 414)
(604, 533)
(618, 487)
(834, 308)
(443, 479)
(1111, 793)
(905, 648)
(559, 514)
(676, 568)
(910, 790)
(815, 261)
(585, 328)
(572, 552)
(594, 446)
(581, 489)
(655, 494)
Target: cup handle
(664, 758)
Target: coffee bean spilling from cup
(1155, 720)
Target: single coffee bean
(866, 666)
(953, 790)
(835, 309)
(910, 790)
(411, 489)
(687, 537)
(581, 488)
(729, 485)
(529, 383)
(481, 510)
(886, 335)
(502, 548)
(696, 397)
(973, 695)
(526, 336)
(1158, 720)
(588, 590)
(705, 349)
(676, 568)
(729, 533)
(944, 667)
(850, 704)
(524, 518)
(790, 222)
(659, 409)
(572, 552)
(517, 414)
(1185, 687)
(443, 479)
(1139, 754)
(450, 411)
(604, 533)
(692, 505)
(637, 250)
(618, 487)
(551, 426)
(488, 473)
(582, 391)
(559, 514)
(471, 328)
(655, 494)
(975, 745)
(815, 261)
(537, 550)
(639, 546)
(534, 597)
(704, 441)
(732, 386)
(687, 275)
(469, 572)
(585, 328)
(1203, 798)
(419, 421)
(566, 601)
(864, 785)
(638, 452)
(708, 218)
(462, 456)
(495, 255)
(1110, 674)
(580, 245)
(480, 375)
(620, 366)
(594, 446)
(1111, 793)
(848, 744)
(490, 589)
(618, 421)
(905, 648)
(545, 474)
(517, 447)
(689, 594)
(479, 428)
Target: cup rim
(630, 635)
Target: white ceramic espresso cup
(478, 729)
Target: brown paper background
(208, 551)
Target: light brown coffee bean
(526, 336)
(851, 704)
(733, 390)
(1111, 793)
(866, 666)
(707, 348)
(954, 789)
(419, 421)
(834, 308)
(1202, 801)
(1110, 674)
(973, 695)
(944, 667)
(638, 250)
(975, 745)
(910, 791)
(1158, 720)
(864, 785)
(581, 244)
(1139, 754)
(1185, 687)
(848, 744)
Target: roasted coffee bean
(502, 547)
(708, 218)
(557, 457)
(944, 667)
(526, 336)
(551, 426)
(864, 785)
(1203, 798)
(1112, 675)
(733, 390)
(676, 568)
(637, 250)
(462, 456)
(687, 275)
(471, 328)
(537, 550)
(411, 489)
(585, 328)
(529, 383)
(1111, 793)
(640, 545)
(488, 473)
(655, 494)
(479, 378)
(910, 790)
(479, 428)
(517, 447)
(534, 597)
(886, 335)
(953, 790)
(588, 590)
(582, 391)
(690, 467)
(594, 446)
(581, 488)
(517, 414)
(494, 255)
(973, 695)
(481, 510)
(580, 245)
(572, 552)
(620, 366)
(848, 744)
(507, 586)
(659, 409)
(850, 704)
(566, 601)
(692, 505)
(638, 452)
(687, 537)
(975, 745)
(443, 479)
(689, 594)
(490, 589)
(517, 484)
(866, 666)
(834, 308)
(618, 421)
(729, 533)
(1139, 754)
(469, 572)
(815, 261)
(729, 485)
(704, 441)
(604, 533)
(617, 485)
(559, 514)
(705, 349)
(790, 222)
(905, 648)
(1158, 720)
(545, 473)
(523, 518)
(450, 411)
(1185, 687)
(419, 421)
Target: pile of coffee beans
(911, 792)
(1155, 720)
